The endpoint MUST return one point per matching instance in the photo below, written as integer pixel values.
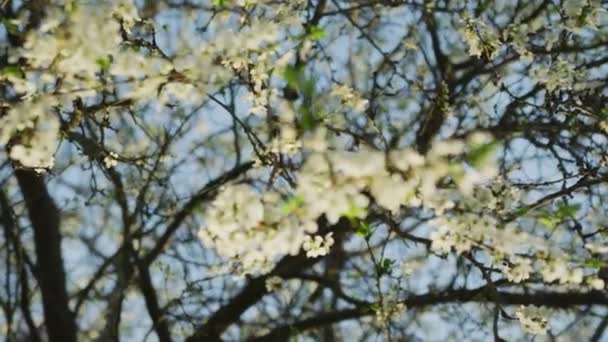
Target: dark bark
(251, 294)
(147, 289)
(558, 300)
(205, 194)
(11, 234)
(256, 289)
(44, 217)
(435, 116)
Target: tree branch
(44, 217)
(256, 288)
(560, 300)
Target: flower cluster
(533, 320)
(92, 50)
(317, 245)
(273, 283)
(110, 160)
(349, 97)
(479, 226)
(559, 75)
(388, 312)
(480, 38)
(38, 132)
(248, 226)
(517, 269)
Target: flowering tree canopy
(208, 170)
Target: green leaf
(292, 204)
(218, 2)
(316, 33)
(308, 88)
(364, 230)
(293, 76)
(308, 120)
(594, 263)
(373, 307)
(12, 70)
(10, 26)
(384, 267)
(563, 211)
(70, 6)
(567, 210)
(482, 154)
(355, 212)
(522, 211)
(548, 221)
(297, 81)
(104, 63)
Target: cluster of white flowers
(349, 97)
(480, 38)
(110, 160)
(287, 142)
(559, 75)
(248, 226)
(388, 312)
(517, 34)
(533, 319)
(463, 232)
(251, 52)
(38, 133)
(75, 47)
(517, 253)
(596, 283)
(318, 245)
(518, 269)
(332, 183)
(273, 283)
(597, 248)
(72, 51)
(583, 14)
(557, 269)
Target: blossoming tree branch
(207, 170)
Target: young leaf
(316, 33)
(481, 154)
(364, 230)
